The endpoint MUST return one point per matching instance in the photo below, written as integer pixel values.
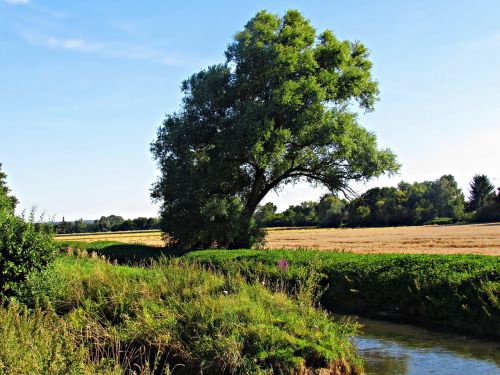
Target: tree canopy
(481, 192)
(438, 202)
(282, 107)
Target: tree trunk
(244, 238)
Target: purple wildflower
(283, 264)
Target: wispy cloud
(118, 50)
(17, 2)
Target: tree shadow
(133, 253)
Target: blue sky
(85, 84)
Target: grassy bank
(90, 316)
(458, 293)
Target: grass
(459, 293)
(90, 316)
(438, 239)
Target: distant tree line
(428, 202)
(112, 223)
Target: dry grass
(150, 238)
(449, 239)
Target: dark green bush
(487, 213)
(25, 246)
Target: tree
(109, 223)
(80, 226)
(265, 214)
(481, 191)
(303, 214)
(331, 211)
(4, 190)
(280, 109)
(447, 198)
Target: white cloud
(118, 50)
(17, 2)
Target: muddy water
(390, 348)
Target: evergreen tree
(481, 192)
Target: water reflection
(390, 348)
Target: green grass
(109, 318)
(448, 292)
(458, 293)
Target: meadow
(483, 239)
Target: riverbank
(457, 293)
(88, 315)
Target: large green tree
(282, 107)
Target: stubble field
(450, 239)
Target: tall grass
(170, 316)
(450, 292)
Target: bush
(487, 213)
(25, 246)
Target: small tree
(481, 192)
(279, 109)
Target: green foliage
(301, 215)
(179, 315)
(481, 192)
(4, 191)
(278, 110)
(452, 292)
(331, 211)
(25, 246)
(439, 221)
(409, 204)
(111, 223)
(488, 213)
(265, 215)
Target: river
(391, 348)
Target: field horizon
(482, 239)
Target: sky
(84, 85)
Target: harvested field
(448, 239)
(149, 237)
(431, 239)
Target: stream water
(390, 348)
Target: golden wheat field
(449, 239)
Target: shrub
(25, 246)
(491, 212)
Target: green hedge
(449, 292)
